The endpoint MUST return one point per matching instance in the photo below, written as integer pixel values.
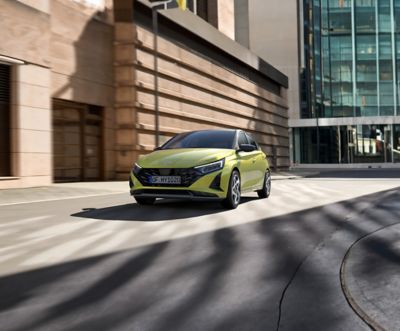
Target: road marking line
(24, 220)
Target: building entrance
(77, 141)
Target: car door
(245, 162)
(258, 164)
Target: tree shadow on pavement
(162, 210)
(248, 277)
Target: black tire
(233, 195)
(266, 190)
(145, 201)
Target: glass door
(396, 143)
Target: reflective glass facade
(347, 144)
(351, 69)
(352, 58)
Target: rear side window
(242, 138)
(252, 141)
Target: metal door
(77, 141)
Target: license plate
(165, 180)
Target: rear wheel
(266, 190)
(233, 196)
(145, 201)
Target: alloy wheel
(268, 182)
(236, 188)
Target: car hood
(183, 158)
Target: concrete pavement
(61, 192)
(371, 276)
(102, 262)
(90, 189)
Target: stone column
(125, 94)
(31, 133)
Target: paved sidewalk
(62, 191)
(293, 174)
(372, 278)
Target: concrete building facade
(350, 78)
(77, 86)
(270, 29)
(342, 59)
(60, 63)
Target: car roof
(215, 130)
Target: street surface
(287, 262)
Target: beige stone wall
(221, 14)
(82, 63)
(41, 5)
(24, 32)
(70, 50)
(194, 94)
(31, 148)
(226, 18)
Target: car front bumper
(203, 188)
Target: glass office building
(349, 82)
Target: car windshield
(202, 139)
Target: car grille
(188, 176)
(180, 193)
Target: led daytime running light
(136, 168)
(211, 167)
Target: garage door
(77, 141)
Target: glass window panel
(365, 3)
(397, 15)
(365, 16)
(308, 143)
(366, 47)
(384, 16)
(370, 144)
(172, 4)
(340, 22)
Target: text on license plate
(165, 179)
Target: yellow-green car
(202, 165)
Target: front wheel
(266, 189)
(145, 201)
(233, 196)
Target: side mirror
(246, 148)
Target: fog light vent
(216, 183)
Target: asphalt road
(104, 263)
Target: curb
(350, 299)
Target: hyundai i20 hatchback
(202, 165)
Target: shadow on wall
(82, 72)
(263, 124)
(219, 280)
(90, 64)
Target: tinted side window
(242, 138)
(252, 141)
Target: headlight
(136, 168)
(211, 167)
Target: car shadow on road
(162, 210)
